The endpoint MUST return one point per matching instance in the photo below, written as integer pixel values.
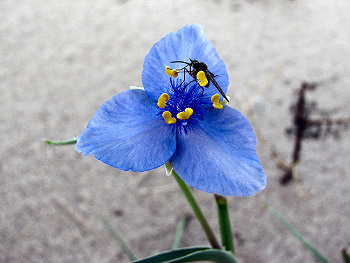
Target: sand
(60, 60)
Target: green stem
(197, 211)
(180, 229)
(64, 142)
(224, 222)
(299, 236)
(346, 255)
(119, 239)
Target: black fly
(194, 67)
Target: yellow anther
(216, 101)
(185, 114)
(171, 72)
(167, 117)
(203, 81)
(162, 99)
(168, 70)
(174, 73)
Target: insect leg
(202, 90)
(187, 85)
(189, 72)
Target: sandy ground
(60, 60)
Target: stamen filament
(216, 101)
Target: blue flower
(178, 118)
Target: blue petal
(219, 155)
(188, 42)
(128, 133)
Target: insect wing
(217, 86)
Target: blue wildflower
(178, 119)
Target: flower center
(184, 104)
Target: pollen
(184, 115)
(171, 72)
(162, 99)
(216, 103)
(203, 81)
(167, 117)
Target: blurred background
(61, 60)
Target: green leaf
(118, 238)
(64, 142)
(213, 255)
(299, 236)
(180, 229)
(346, 255)
(167, 256)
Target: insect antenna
(180, 61)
